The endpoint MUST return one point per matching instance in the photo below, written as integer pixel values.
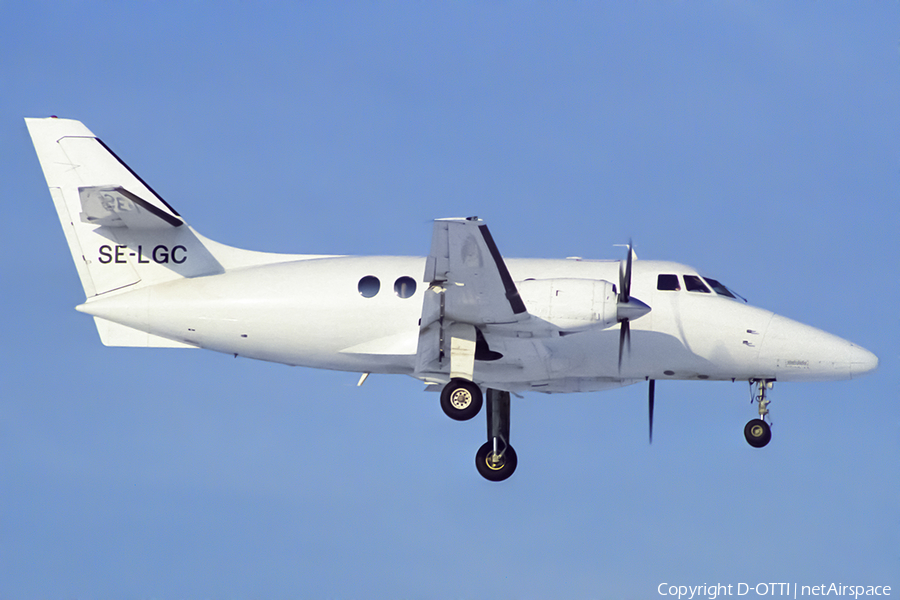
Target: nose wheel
(757, 431)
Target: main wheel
(495, 468)
(461, 399)
(757, 433)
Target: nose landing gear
(757, 431)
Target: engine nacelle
(571, 304)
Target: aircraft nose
(798, 352)
(861, 361)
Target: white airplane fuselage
(310, 312)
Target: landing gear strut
(496, 460)
(757, 431)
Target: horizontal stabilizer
(115, 334)
(112, 206)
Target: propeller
(627, 308)
(652, 392)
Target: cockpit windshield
(718, 287)
(671, 282)
(695, 284)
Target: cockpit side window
(718, 287)
(695, 284)
(668, 283)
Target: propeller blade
(652, 393)
(628, 272)
(625, 277)
(627, 308)
(624, 336)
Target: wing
(465, 265)
(469, 286)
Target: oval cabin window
(369, 286)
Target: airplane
(464, 320)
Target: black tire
(757, 433)
(493, 472)
(461, 400)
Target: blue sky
(755, 141)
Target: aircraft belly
(575, 363)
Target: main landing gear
(757, 431)
(461, 400)
(496, 460)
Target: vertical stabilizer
(122, 235)
(120, 232)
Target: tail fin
(122, 235)
(120, 232)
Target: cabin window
(695, 284)
(369, 286)
(668, 283)
(405, 287)
(718, 287)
